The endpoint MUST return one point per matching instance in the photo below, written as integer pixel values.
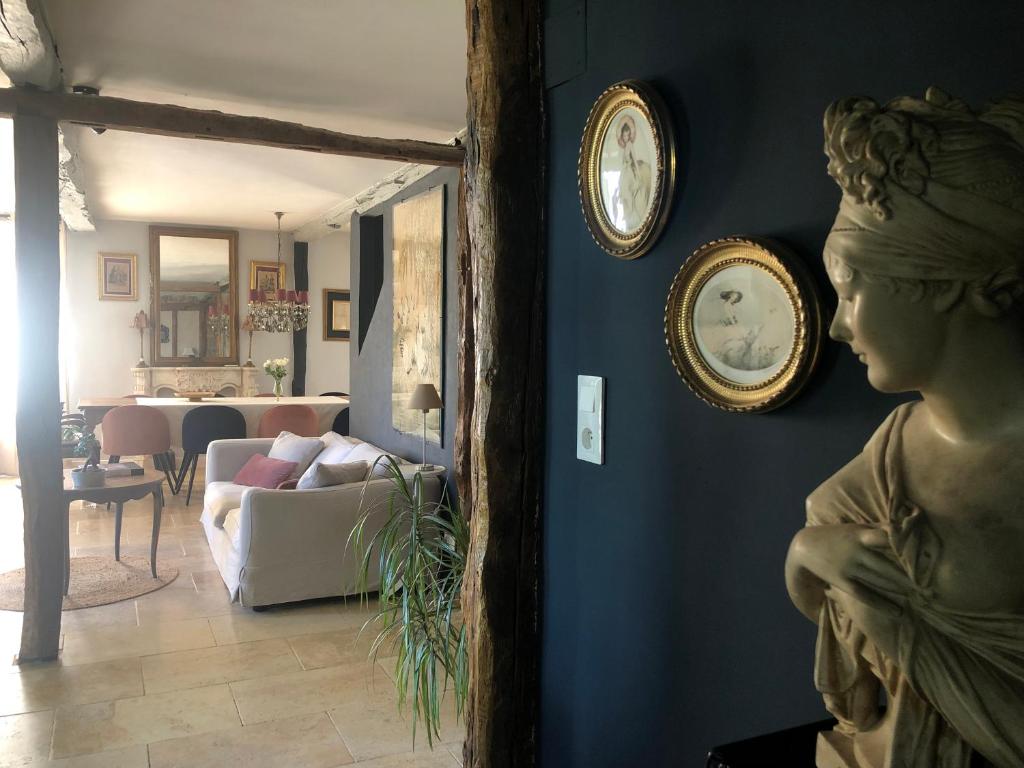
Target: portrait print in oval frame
(744, 324)
(627, 169)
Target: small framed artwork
(627, 169)
(744, 324)
(118, 278)
(337, 314)
(266, 277)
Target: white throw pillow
(301, 450)
(325, 475)
(369, 452)
(338, 447)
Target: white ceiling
(392, 68)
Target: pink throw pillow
(263, 472)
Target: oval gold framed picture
(627, 169)
(743, 324)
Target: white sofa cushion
(327, 475)
(369, 452)
(336, 451)
(301, 450)
(232, 525)
(221, 497)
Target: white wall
(326, 361)
(102, 347)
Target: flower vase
(278, 389)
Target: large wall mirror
(195, 297)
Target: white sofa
(281, 546)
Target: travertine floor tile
(172, 605)
(88, 728)
(299, 693)
(372, 725)
(25, 738)
(82, 647)
(220, 664)
(36, 687)
(284, 621)
(120, 614)
(421, 758)
(131, 757)
(209, 581)
(328, 649)
(309, 741)
(456, 750)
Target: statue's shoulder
(859, 491)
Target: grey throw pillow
(325, 475)
(301, 450)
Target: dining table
(251, 408)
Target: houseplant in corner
(421, 548)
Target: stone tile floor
(182, 677)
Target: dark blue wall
(666, 627)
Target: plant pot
(93, 477)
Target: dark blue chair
(334, 394)
(340, 424)
(199, 427)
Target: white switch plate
(590, 419)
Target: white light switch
(590, 419)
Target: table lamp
(140, 321)
(424, 398)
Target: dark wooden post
(505, 189)
(37, 233)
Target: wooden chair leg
(185, 459)
(118, 512)
(164, 462)
(191, 476)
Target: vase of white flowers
(276, 369)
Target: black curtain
(301, 266)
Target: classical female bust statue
(912, 561)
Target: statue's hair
(908, 141)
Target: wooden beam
(184, 122)
(27, 53)
(37, 258)
(73, 208)
(505, 193)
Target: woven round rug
(94, 581)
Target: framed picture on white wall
(337, 314)
(118, 278)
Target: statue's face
(899, 340)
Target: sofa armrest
(225, 457)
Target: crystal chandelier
(288, 311)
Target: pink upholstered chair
(138, 430)
(297, 419)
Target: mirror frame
(155, 233)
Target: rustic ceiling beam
(188, 123)
(499, 450)
(27, 53)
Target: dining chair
(139, 430)
(201, 426)
(297, 419)
(340, 425)
(334, 394)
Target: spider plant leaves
(420, 550)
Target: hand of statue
(856, 559)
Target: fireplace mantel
(230, 380)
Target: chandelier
(287, 311)
(218, 320)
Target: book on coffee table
(123, 469)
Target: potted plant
(90, 474)
(421, 549)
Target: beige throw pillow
(326, 475)
(301, 450)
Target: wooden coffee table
(117, 491)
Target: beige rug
(94, 581)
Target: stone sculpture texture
(912, 561)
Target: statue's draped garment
(959, 678)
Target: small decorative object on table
(276, 369)
(425, 398)
(141, 322)
(90, 474)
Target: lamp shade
(424, 398)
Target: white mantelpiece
(230, 380)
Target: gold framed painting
(118, 276)
(266, 277)
(744, 324)
(337, 314)
(627, 169)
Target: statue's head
(931, 220)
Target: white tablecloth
(251, 408)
